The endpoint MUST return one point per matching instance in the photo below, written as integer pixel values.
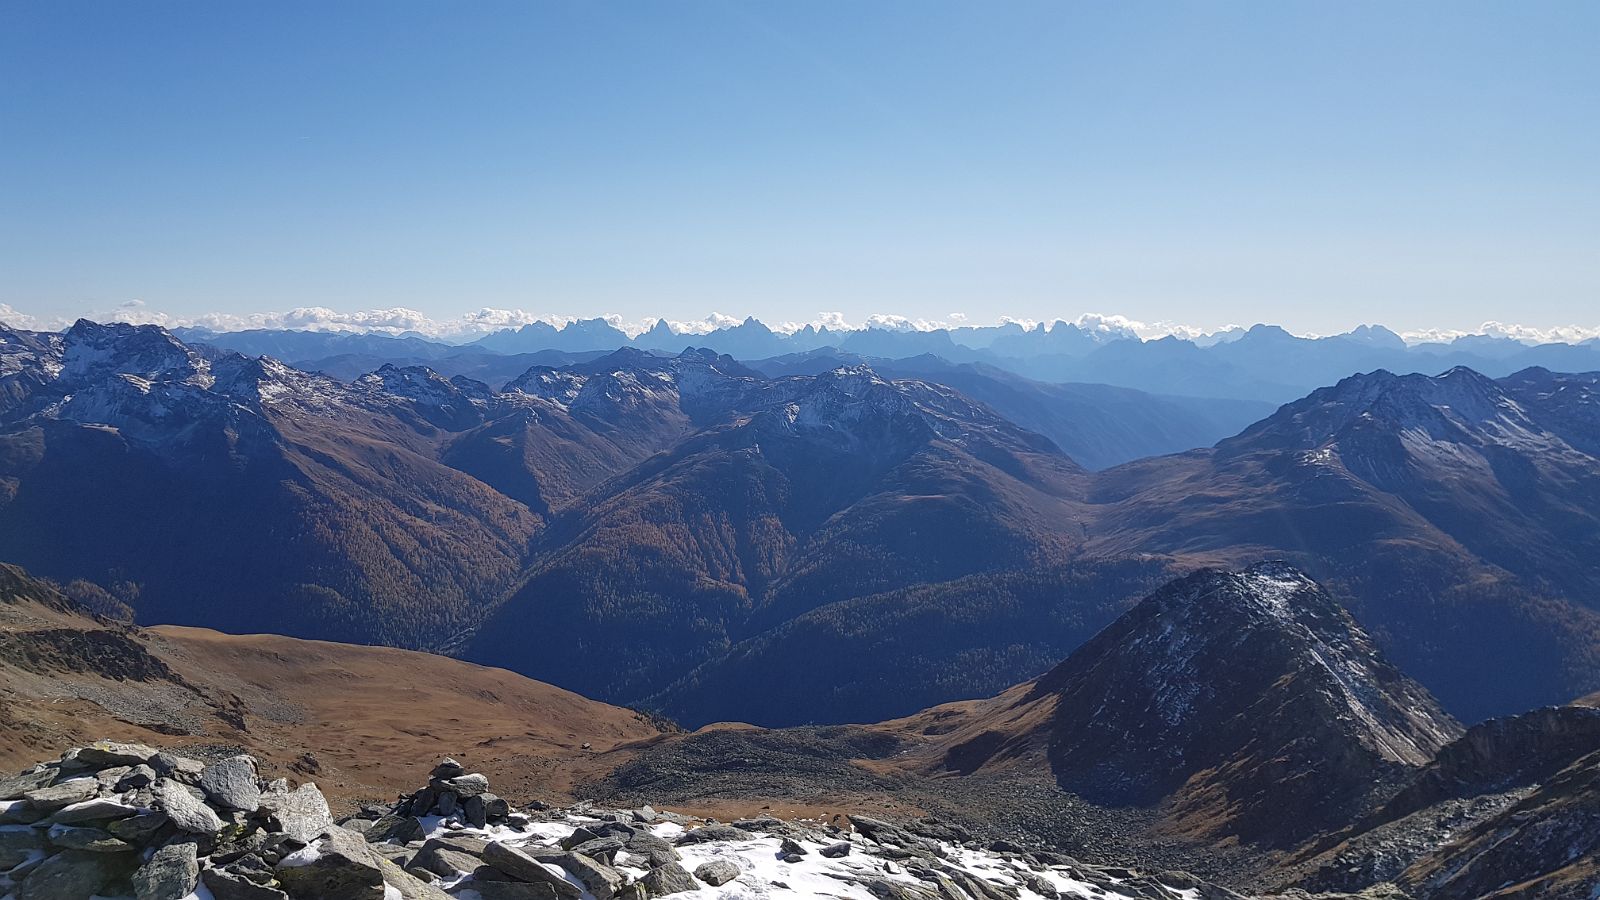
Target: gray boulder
(669, 878)
(137, 777)
(601, 880)
(301, 814)
(58, 796)
(171, 873)
(447, 856)
(467, 785)
(182, 768)
(336, 866)
(407, 885)
(717, 872)
(12, 787)
(657, 849)
(523, 867)
(140, 828)
(835, 851)
(604, 849)
(233, 783)
(706, 834)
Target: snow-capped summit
(694, 380)
(91, 350)
(1460, 406)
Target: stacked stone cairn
(120, 820)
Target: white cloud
(468, 326)
(1527, 334)
(901, 323)
(713, 322)
(12, 318)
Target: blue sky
(1314, 164)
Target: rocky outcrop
(1501, 754)
(1547, 845)
(1496, 767)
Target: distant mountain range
(776, 542)
(1263, 363)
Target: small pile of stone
(127, 820)
(451, 793)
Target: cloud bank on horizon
(397, 321)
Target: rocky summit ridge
(127, 820)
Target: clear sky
(1312, 164)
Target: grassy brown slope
(373, 719)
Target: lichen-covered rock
(226, 885)
(103, 754)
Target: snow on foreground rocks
(125, 820)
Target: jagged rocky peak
(1375, 336)
(1208, 648)
(92, 351)
(263, 381)
(1244, 703)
